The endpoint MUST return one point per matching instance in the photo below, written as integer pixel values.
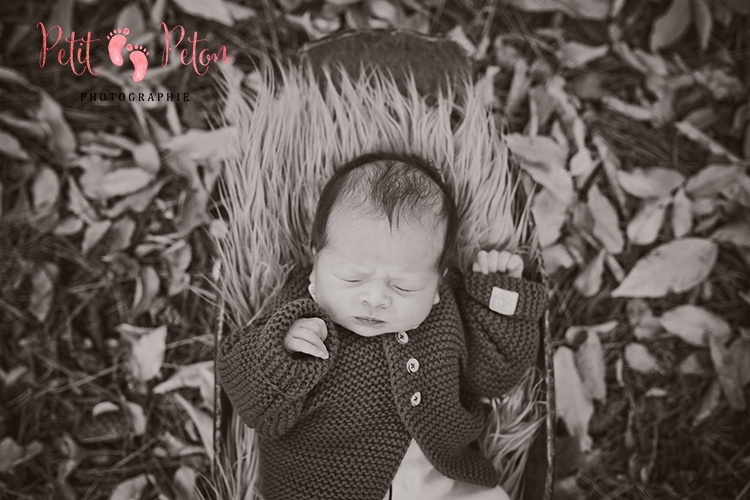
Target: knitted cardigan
(338, 428)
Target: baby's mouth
(368, 321)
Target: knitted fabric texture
(338, 428)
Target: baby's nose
(376, 295)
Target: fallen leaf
(69, 227)
(485, 87)
(213, 10)
(606, 221)
(589, 281)
(692, 365)
(709, 403)
(737, 233)
(649, 183)
(137, 418)
(136, 202)
(132, 17)
(204, 145)
(656, 392)
(202, 421)
(699, 137)
(611, 165)
(694, 324)
(549, 216)
(644, 228)
(78, 204)
(728, 372)
(544, 160)
(120, 236)
(589, 360)
(641, 318)
(671, 26)
(579, 9)
(94, 234)
(576, 55)
(45, 191)
(11, 147)
(42, 289)
(240, 12)
(146, 156)
(62, 141)
(573, 404)
(676, 267)
(193, 212)
(147, 288)
(556, 257)
(184, 483)
(131, 489)
(13, 455)
(120, 182)
(639, 359)
(198, 375)
(147, 355)
(712, 180)
(703, 21)
(682, 214)
(104, 407)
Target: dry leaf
(46, 189)
(93, 235)
(589, 281)
(42, 289)
(649, 183)
(120, 235)
(728, 372)
(198, 375)
(120, 182)
(131, 489)
(69, 227)
(579, 9)
(78, 203)
(62, 142)
(549, 216)
(703, 21)
(12, 455)
(644, 228)
(147, 288)
(676, 266)
(136, 202)
(611, 165)
(203, 422)
(204, 145)
(712, 180)
(709, 403)
(576, 55)
(544, 160)
(671, 25)
(692, 365)
(694, 134)
(694, 324)
(147, 355)
(737, 233)
(240, 12)
(137, 418)
(589, 359)
(606, 221)
(104, 407)
(11, 147)
(573, 404)
(213, 10)
(485, 87)
(556, 257)
(132, 18)
(184, 483)
(682, 215)
(639, 359)
(641, 318)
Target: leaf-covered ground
(630, 118)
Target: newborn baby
(363, 376)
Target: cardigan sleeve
(267, 385)
(501, 316)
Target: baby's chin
(374, 330)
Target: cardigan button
(412, 365)
(402, 337)
(416, 398)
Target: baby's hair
(398, 186)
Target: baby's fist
(498, 262)
(306, 335)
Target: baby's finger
(515, 266)
(315, 325)
(304, 340)
(492, 261)
(482, 261)
(502, 261)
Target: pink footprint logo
(139, 58)
(116, 43)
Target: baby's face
(374, 279)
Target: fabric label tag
(503, 301)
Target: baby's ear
(437, 297)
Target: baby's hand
(498, 262)
(306, 335)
